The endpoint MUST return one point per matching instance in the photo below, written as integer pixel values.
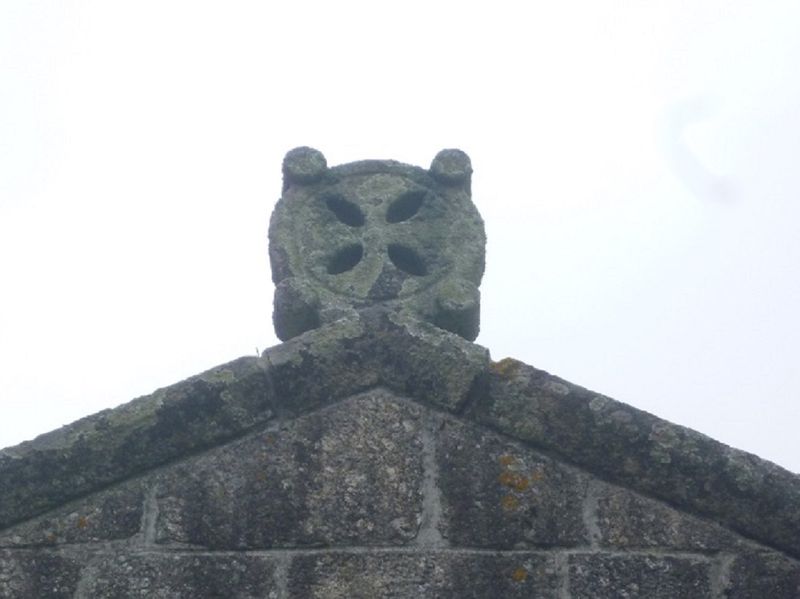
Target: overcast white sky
(636, 164)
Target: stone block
(498, 494)
(34, 574)
(438, 575)
(626, 520)
(350, 474)
(321, 366)
(604, 576)
(763, 575)
(167, 575)
(110, 515)
(429, 364)
(375, 347)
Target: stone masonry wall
(378, 495)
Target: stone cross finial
(376, 232)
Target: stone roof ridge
(606, 438)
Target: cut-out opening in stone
(345, 259)
(407, 260)
(347, 212)
(404, 207)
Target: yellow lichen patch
(537, 475)
(83, 522)
(505, 478)
(520, 483)
(507, 460)
(505, 367)
(509, 502)
(513, 480)
(519, 575)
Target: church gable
(378, 452)
(371, 495)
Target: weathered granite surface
(376, 232)
(498, 494)
(337, 575)
(37, 573)
(348, 474)
(762, 574)
(114, 514)
(376, 347)
(616, 442)
(651, 576)
(177, 575)
(114, 444)
(315, 369)
(636, 449)
(381, 495)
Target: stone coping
(609, 439)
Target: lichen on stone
(376, 232)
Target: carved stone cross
(375, 232)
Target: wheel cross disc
(376, 231)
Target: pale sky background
(636, 164)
